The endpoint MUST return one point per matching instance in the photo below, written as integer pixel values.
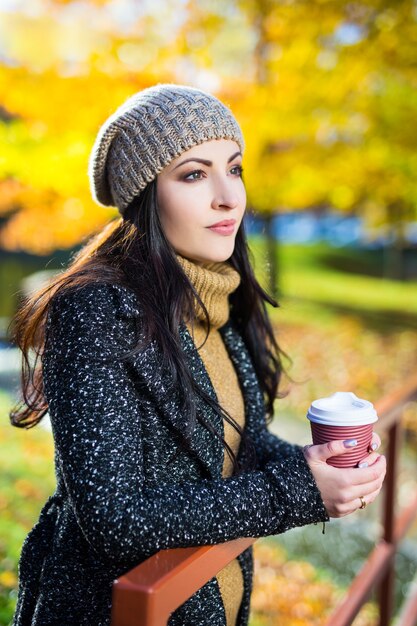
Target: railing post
(408, 615)
(386, 588)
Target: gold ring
(363, 502)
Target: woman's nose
(225, 197)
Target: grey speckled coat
(122, 493)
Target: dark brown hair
(133, 251)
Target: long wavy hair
(133, 251)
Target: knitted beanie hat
(147, 132)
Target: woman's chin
(212, 258)
(213, 255)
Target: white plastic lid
(342, 408)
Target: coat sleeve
(275, 449)
(96, 418)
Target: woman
(159, 368)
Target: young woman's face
(202, 199)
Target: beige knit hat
(147, 132)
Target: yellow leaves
(73, 209)
(44, 164)
(52, 221)
(9, 191)
(294, 593)
(377, 152)
(4, 501)
(291, 592)
(346, 356)
(26, 481)
(58, 105)
(342, 197)
(299, 53)
(8, 579)
(26, 489)
(331, 112)
(386, 20)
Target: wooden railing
(378, 570)
(147, 594)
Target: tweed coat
(123, 492)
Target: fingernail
(363, 464)
(374, 446)
(350, 443)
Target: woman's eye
(237, 170)
(196, 175)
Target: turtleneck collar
(214, 282)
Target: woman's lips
(224, 228)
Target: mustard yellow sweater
(214, 282)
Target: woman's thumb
(324, 451)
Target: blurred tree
(54, 96)
(329, 120)
(325, 91)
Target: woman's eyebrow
(205, 161)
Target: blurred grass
(343, 331)
(318, 283)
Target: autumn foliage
(325, 92)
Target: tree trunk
(272, 252)
(394, 266)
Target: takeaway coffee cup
(343, 416)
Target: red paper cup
(343, 416)
(362, 434)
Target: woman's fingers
(375, 472)
(375, 442)
(320, 453)
(351, 501)
(356, 502)
(372, 454)
(342, 488)
(353, 505)
(369, 460)
(369, 494)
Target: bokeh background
(326, 94)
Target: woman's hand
(342, 488)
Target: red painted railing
(147, 594)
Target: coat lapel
(249, 384)
(160, 384)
